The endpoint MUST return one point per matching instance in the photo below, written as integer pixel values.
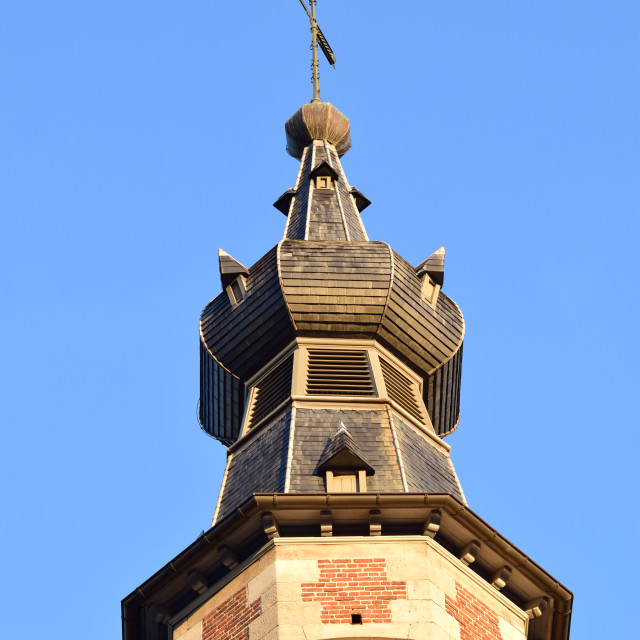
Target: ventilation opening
(356, 618)
(272, 390)
(401, 390)
(340, 373)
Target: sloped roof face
(260, 466)
(404, 458)
(335, 287)
(366, 289)
(426, 469)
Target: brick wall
(477, 621)
(354, 586)
(230, 620)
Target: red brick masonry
(230, 620)
(354, 586)
(477, 621)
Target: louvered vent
(272, 390)
(401, 389)
(339, 373)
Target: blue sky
(137, 138)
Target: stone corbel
(469, 552)
(501, 577)
(270, 525)
(326, 524)
(432, 523)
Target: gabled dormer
(324, 176)
(344, 465)
(431, 274)
(233, 276)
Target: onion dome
(317, 121)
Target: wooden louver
(336, 372)
(272, 390)
(401, 389)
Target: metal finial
(317, 38)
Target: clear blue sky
(137, 138)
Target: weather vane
(317, 37)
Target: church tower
(330, 370)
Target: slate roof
(259, 466)
(426, 468)
(404, 459)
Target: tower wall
(309, 589)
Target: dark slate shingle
(427, 468)
(258, 467)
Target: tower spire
(317, 38)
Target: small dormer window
(324, 176)
(323, 182)
(237, 291)
(430, 290)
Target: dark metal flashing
(283, 203)
(324, 169)
(170, 590)
(362, 202)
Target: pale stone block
(263, 624)
(425, 611)
(402, 611)
(423, 630)
(442, 572)
(509, 632)
(272, 635)
(259, 584)
(444, 578)
(290, 632)
(515, 617)
(184, 632)
(289, 591)
(406, 568)
(425, 590)
(269, 598)
(291, 613)
(297, 570)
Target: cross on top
(317, 38)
